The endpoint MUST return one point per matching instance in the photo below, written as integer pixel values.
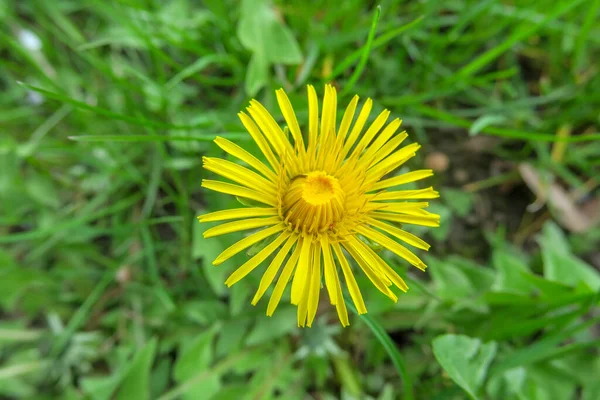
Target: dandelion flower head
(320, 200)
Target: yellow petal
(315, 286)
(402, 179)
(357, 129)
(374, 259)
(300, 276)
(400, 234)
(273, 268)
(269, 127)
(259, 139)
(290, 117)
(366, 161)
(247, 242)
(371, 132)
(327, 133)
(347, 118)
(242, 225)
(240, 174)
(427, 193)
(255, 261)
(246, 157)
(391, 245)
(427, 219)
(302, 312)
(283, 280)
(236, 190)
(340, 305)
(353, 288)
(313, 122)
(375, 276)
(388, 149)
(238, 213)
(392, 162)
(401, 207)
(329, 269)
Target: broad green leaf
(261, 32)
(459, 201)
(136, 383)
(560, 264)
(465, 359)
(195, 356)
(445, 214)
(231, 336)
(266, 328)
(257, 74)
(270, 41)
(101, 388)
(208, 250)
(510, 274)
(450, 281)
(509, 385)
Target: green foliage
(465, 359)
(107, 289)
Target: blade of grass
(81, 315)
(380, 41)
(588, 23)
(503, 132)
(158, 138)
(153, 267)
(390, 347)
(518, 34)
(12, 371)
(72, 222)
(107, 113)
(365, 54)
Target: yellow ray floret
(322, 197)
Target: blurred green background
(106, 286)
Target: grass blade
(515, 37)
(365, 54)
(107, 113)
(380, 41)
(209, 137)
(503, 132)
(390, 348)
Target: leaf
(257, 75)
(270, 41)
(459, 201)
(231, 336)
(466, 360)
(450, 281)
(483, 121)
(560, 264)
(100, 388)
(261, 32)
(208, 250)
(266, 328)
(196, 356)
(136, 383)
(510, 273)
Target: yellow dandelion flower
(318, 201)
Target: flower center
(314, 202)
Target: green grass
(106, 281)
